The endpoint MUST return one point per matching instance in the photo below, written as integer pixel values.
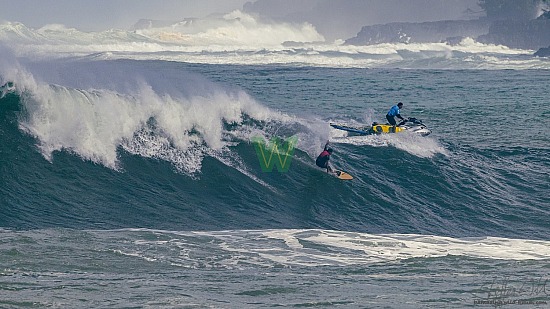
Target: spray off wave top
(179, 117)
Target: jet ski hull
(409, 125)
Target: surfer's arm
(326, 146)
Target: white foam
(238, 38)
(233, 29)
(94, 123)
(359, 248)
(420, 146)
(311, 247)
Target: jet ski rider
(394, 112)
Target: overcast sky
(107, 14)
(334, 19)
(344, 18)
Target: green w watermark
(278, 152)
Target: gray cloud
(332, 18)
(101, 15)
(344, 18)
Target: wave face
(125, 144)
(239, 38)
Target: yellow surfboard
(343, 175)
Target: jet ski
(410, 124)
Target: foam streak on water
(250, 269)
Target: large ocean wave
(114, 144)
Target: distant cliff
(438, 31)
(543, 52)
(531, 34)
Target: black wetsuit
(323, 158)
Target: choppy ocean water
(131, 181)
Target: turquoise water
(135, 184)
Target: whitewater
(239, 38)
(128, 177)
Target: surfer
(323, 158)
(394, 112)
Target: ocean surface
(129, 179)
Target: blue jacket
(394, 111)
